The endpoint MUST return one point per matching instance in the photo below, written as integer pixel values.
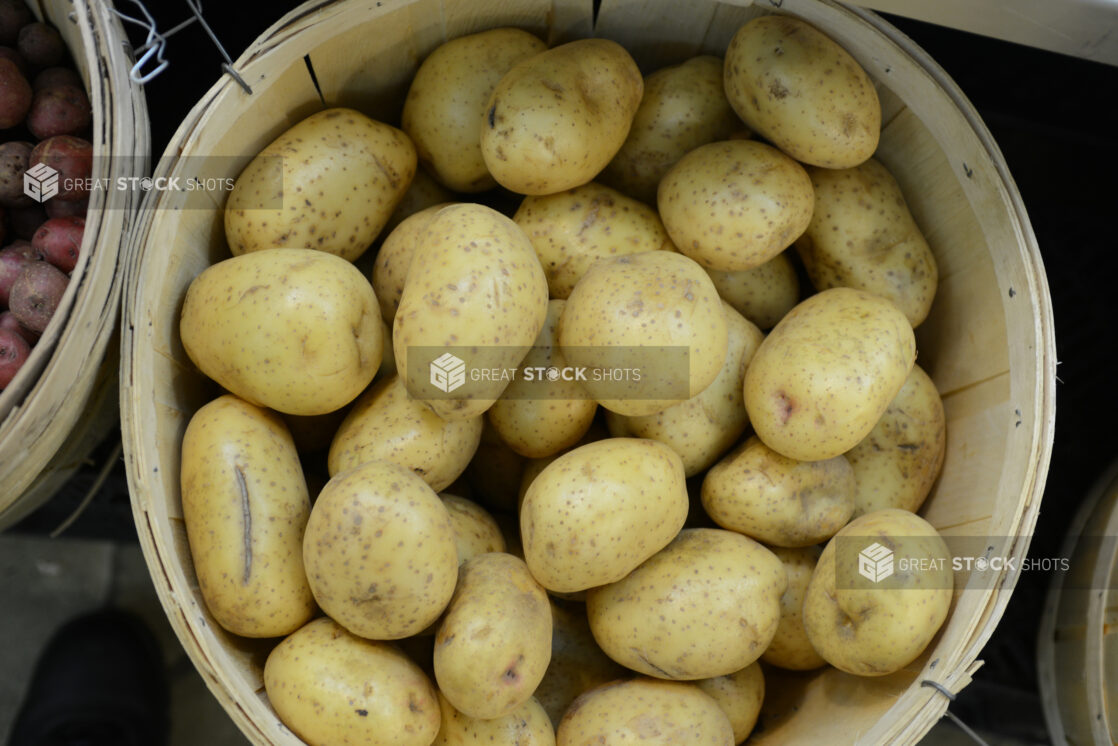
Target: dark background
(1056, 120)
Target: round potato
(734, 205)
(874, 630)
(702, 428)
(647, 712)
(684, 106)
(598, 511)
(863, 236)
(295, 330)
(790, 647)
(329, 183)
(527, 725)
(380, 551)
(655, 313)
(898, 462)
(575, 229)
(824, 376)
(740, 695)
(494, 643)
(797, 88)
(778, 500)
(475, 286)
(334, 689)
(245, 506)
(705, 605)
(475, 531)
(542, 413)
(444, 111)
(385, 423)
(390, 269)
(764, 294)
(556, 119)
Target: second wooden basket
(988, 343)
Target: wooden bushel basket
(988, 343)
(61, 403)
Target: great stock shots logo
(448, 372)
(875, 563)
(40, 182)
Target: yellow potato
(476, 286)
(646, 712)
(291, 329)
(598, 511)
(577, 663)
(863, 236)
(532, 467)
(538, 416)
(574, 229)
(245, 505)
(797, 88)
(329, 183)
(702, 428)
(380, 551)
(778, 500)
(734, 205)
(445, 109)
(763, 294)
(683, 107)
(332, 688)
(791, 648)
(494, 643)
(739, 695)
(556, 119)
(705, 605)
(898, 462)
(869, 629)
(385, 423)
(527, 725)
(475, 531)
(824, 376)
(390, 269)
(636, 313)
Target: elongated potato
(684, 106)
(444, 112)
(475, 285)
(537, 415)
(863, 236)
(598, 511)
(527, 725)
(764, 294)
(494, 643)
(329, 183)
(740, 695)
(390, 268)
(573, 230)
(801, 91)
(824, 376)
(790, 647)
(331, 687)
(556, 119)
(385, 423)
(245, 505)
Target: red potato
(15, 94)
(14, 352)
(41, 45)
(7, 53)
(13, 258)
(25, 220)
(14, 15)
(54, 77)
(72, 158)
(60, 241)
(14, 157)
(62, 110)
(10, 322)
(36, 294)
(57, 208)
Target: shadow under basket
(988, 343)
(62, 402)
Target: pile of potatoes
(45, 118)
(609, 563)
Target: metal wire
(952, 716)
